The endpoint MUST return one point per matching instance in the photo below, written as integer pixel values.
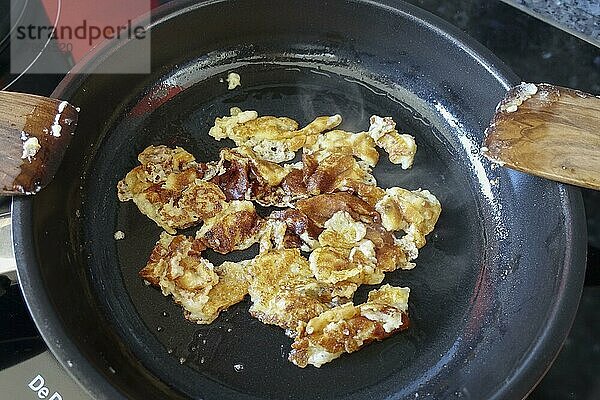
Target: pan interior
(194, 357)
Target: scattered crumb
(521, 93)
(119, 235)
(233, 80)
(56, 128)
(30, 147)
(238, 367)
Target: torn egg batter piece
(322, 207)
(274, 139)
(414, 212)
(348, 327)
(176, 266)
(245, 176)
(309, 178)
(401, 148)
(170, 188)
(390, 253)
(360, 145)
(285, 293)
(236, 227)
(289, 228)
(344, 253)
(334, 172)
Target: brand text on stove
(37, 384)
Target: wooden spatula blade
(34, 134)
(548, 131)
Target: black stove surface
(536, 51)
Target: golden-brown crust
(322, 207)
(266, 127)
(274, 139)
(245, 176)
(401, 148)
(168, 188)
(293, 184)
(333, 172)
(236, 227)
(369, 193)
(297, 222)
(347, 328)
(231, 288)
(177, 267)
(234, 181)
(284, 292)
(414, 212)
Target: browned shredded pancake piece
(347, 328)
(177, 267)
(284, 292)
(331, 208)
(236, 227)
(169, 188)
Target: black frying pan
(495, 289)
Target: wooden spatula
(548, 131)
(34, 134)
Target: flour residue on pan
(487, 183)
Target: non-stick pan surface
(494, 290)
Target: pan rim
(97, 384)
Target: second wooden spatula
(548, 131)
